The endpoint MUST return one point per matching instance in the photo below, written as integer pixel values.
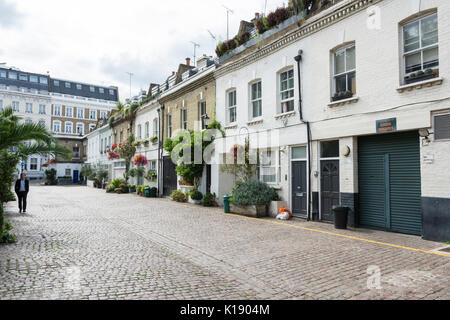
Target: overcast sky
(98, 41)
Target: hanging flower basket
(140, 160)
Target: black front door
(299, 189)
(169, 176)
(208, 178)
(329, 186)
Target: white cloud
(99, 41)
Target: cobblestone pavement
(80, 243)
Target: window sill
(285, 115)
(343, 102)
(231, 126)
(420, 84)
(255, 122)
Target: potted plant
(421, 76)
(178, 196)
(342, 95)
(132, 188)
(209, 200)
(154, 139)
(151, 175)
(195, 197)
(251, 198)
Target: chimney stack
(188, 62)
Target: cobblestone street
(80, 243)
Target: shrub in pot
(252, 197)
(196, 196)
(209, 200)
(178, 196)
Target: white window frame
(34, 164)
(42, 109)
(201, 115)
(103, 114)
(420, 49)
(56, 122)
(231, 108)
(57, 111)
(67, 85)
(184, 122)
(147, 130)
(276, 165)
(28, 107)
(79, 124)
(15, 106)
(67, 113)
(71, 127)
(92, 89)
(42, 123)
(91, 127)
(78, 113)
(253, 100)
(280, 91)
(156, 128)
(169, 125)
(94, 113)
(346, 72)
(139, 132)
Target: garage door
(389, 182)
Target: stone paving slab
(81, 243)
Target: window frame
(229, 107)
(77, 126)
(169, 125)
(276, 165)
(139, 132)
(156, 127)
(15, 104)
(434, 127)
(183, 117)
(420, 49)
(58, 122)
(28, 107)
(71, 127)
(92, 112)
(280, 91)
(42, 109)
(59, 108)
(78, 113)
(252, 99)
(147, 130)
(346, 72)
(71, 112)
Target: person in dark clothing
(22, 188)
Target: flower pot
(255, 211)
(419, 78)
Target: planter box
(421, 78)
(197, 202)
(186, 189)
(249, 211)
(275, 207)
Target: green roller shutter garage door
(389, 182)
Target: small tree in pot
(252, 198)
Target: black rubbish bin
(340, 217)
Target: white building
(364, 150)
(147, 139)
(27, 93)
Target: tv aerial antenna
(196, 45)
(228, 20)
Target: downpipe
(298, 59)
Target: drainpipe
(160, 150)
(298, 58)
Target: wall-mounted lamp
(424, 133)
(206, 120)
(345, 151)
